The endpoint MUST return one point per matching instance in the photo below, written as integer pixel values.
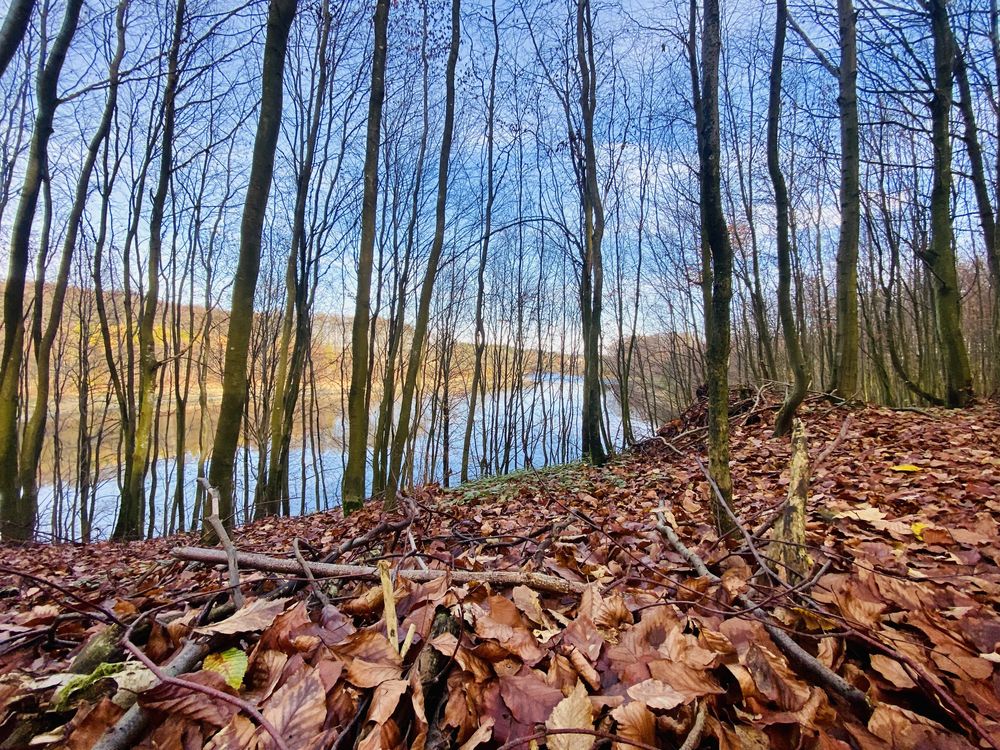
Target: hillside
(606, 630)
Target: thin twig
(208, 690)
(834, 444)
(111, 616)
(806, 661)
(748, 540)
(227, 543)
(591, 732)
(317, 589)
(694, 736)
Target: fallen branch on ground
(538, 581)
(317, 590)
(227, 543)
(805, 661)
(126, 732)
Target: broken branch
(538, 581)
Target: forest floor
(605, 633)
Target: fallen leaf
(572, 712)
(656, 694)
(231, 664)
(635, 722)
(176, 699)
(297, 711)
(481, 735)
(528, 697)
(256, 615)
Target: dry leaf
(256, 615)
(572, 712)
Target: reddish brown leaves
(256, 615)
(914, 565)
(187, 702)
(527, 696)
(297, 711)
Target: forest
(319, 263)
(502, 373)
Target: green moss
(567, 477)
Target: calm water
(542, 425)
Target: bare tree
(430, 273)
(17, 518)
(281, 13)
(357, 449)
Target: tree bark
(357, 406)
(984, 204)
(130, 512)
(34, 430)
(286, 381)
(17, 520)
(940, 256)
(15, 24)
(427, 285)
(789, 328)
(845, 363)
(592, 275)
(718, 284)
(281, 13)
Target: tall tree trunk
(845, 363)
(296, 286)
(984, 204)
(592, 274)
(34, 430)
(357, 405)
(17, 520)
(281, 13)
(789, 328)
(719, 289)
(427, 285)
(15, 24)
(480, 334)
(940, 256)
(129, 523)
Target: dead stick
(210, 691)
(227, 543)
(254, 561)
(320, 594)
(125, 732)
(533, 738)
(832, 446)
(694, 736)
(806, 661)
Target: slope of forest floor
(637, 650)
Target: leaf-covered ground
(902, 603)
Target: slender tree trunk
(296, 284)
(845, 363)
(480, 334)
(789, 329)
(129, 523)
(234, 378)
(427, 286)
(34, 431)
(940, 256)
(357, 405)
(718, 292)
(984, 204)
(592, 274)
(17, 519)
(15, 24)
